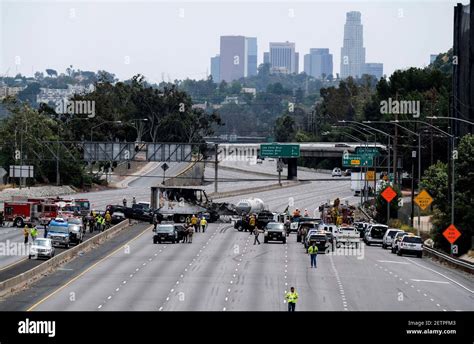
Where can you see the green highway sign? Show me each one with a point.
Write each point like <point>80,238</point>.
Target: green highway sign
<point>374,151</point>
<point>278,150</point>
<point>357,160</point>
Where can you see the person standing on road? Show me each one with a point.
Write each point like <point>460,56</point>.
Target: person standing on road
<point>26,233</point>
<point>194,222</point>
<point>102,222</point>
<point>313,253</point>
<point>155,221</point>
<point>252,223</point>
<point>291,298</point>
<point>124,202</point>
<point>34,233</point>
<point>203,224</point>
<point>108,219</point>
<point>2,218</point>
<point>134,201</point>
<point>190,234</point>
<point>256,232</point>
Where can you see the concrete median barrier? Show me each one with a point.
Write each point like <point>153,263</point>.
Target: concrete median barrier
<point>24,279</point>
<point>239,192</point>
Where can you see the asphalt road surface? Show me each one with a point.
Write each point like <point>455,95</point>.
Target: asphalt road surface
<point>223,271</point>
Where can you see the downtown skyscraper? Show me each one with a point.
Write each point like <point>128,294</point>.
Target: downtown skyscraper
<point>353,51</point>
<point>237,58</point>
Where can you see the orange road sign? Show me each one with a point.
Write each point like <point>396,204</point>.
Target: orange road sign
<point>389,194</point>
<point>451,234</point>
<point>423,199</point>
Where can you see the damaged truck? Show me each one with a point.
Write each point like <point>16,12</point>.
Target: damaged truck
<point>176,203</point>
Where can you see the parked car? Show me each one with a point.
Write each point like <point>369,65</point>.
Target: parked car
<point>410,244</point>
<point>336,172</point>
<point>374,234</point>
<point>165,232</point>
<point>117,217</point>
<point>41,248</point>
<point>396,240</point>
<point>275,231</point>
<point>304,228</point>
<point>347,172</point>
<point>388,237</point>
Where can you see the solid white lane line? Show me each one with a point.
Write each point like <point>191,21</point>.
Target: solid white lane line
<point>439,273</point>
<point>392,261</point>
<point>429,281</point>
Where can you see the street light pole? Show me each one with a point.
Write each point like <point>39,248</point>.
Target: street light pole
<point>452,155</point>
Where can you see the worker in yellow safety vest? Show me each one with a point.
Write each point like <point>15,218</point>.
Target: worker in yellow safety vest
<point>194,223</point>
<point>291,298</point>
<point>203,224</point>
<point>313,253</point>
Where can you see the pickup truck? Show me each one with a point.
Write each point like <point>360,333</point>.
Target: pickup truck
<point>137,212</point>
<point>347,236</point>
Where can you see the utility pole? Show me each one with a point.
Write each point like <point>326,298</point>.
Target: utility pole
<point>57,158</point>
<point>413,156</point>
<point>216,164</point>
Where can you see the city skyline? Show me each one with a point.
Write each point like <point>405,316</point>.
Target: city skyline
<point>389,34</point>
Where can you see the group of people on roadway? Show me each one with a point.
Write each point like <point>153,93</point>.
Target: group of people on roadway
<point>97,222</point>
<point>30,230</point>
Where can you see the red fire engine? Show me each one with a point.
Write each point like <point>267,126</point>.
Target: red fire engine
<point>36,211</point>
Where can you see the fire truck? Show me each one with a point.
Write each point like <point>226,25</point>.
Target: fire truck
<point>72,205</point>
<point>35,211</point>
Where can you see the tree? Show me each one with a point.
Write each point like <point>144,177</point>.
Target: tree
<point>435,180</point>
<point>51,72</point>
<point>285,129</point>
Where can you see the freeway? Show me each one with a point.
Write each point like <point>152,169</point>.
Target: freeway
<point>223,271</point>
<point>139,187</point>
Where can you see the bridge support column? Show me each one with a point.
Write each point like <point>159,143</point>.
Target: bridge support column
<point>292,168</point>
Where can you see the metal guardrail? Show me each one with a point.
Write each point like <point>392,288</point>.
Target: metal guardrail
<point>457,262</point>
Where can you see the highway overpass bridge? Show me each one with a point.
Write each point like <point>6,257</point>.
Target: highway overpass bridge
<point>315,150</point>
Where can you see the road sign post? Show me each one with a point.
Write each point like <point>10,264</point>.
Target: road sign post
<point>452,234</point>
<point>388,195</point>
<point>423,200</point>
<point>279,170</point>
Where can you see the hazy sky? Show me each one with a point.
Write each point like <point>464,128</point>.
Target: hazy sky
<point>175,39</point>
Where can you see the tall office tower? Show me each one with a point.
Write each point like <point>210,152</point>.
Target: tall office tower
<point>251,56</point>
<point>297,63</point>
<point>318,63</point>
<point>283,57</point>
<point>374,69</point>
<point>215,68</point>
<point>353,51</point>
<point>233,57</point>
